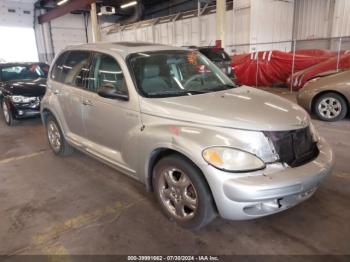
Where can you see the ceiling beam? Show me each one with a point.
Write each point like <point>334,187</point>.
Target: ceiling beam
<point>71,6</point>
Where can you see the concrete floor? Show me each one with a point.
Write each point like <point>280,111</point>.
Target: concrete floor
<point>76,205</point>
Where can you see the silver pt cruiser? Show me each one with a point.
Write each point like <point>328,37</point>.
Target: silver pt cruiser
<point>171,119</point>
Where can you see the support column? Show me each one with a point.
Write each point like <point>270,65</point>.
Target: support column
<point>44,41</point>
<point>96,35</point>
<point>199,22</point>
<point>221,21</point>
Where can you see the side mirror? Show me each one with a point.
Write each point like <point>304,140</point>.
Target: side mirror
<point>110,92</point>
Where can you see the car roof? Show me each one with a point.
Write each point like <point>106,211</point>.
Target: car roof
<point>123,48</point>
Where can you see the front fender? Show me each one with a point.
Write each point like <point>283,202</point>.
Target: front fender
<point>50,104</point>
<point>190,140</point>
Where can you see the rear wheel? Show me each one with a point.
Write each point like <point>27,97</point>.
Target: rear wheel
<point>58,143</point>
<point>9,120</point>
<point>182,192</point>
<point>330,107</point>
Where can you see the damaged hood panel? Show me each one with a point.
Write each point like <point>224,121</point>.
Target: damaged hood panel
<point>242,108</point>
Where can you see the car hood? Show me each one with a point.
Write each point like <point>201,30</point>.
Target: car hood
<point>242,108</point>
<point>36,87</point>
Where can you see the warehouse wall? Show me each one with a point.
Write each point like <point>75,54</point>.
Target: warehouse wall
<point>67,30</point>
<point>271,21</point>
<point>16,30</point>
<point>241,25</point>
<point>321,19</point>
<point>250,22</point>
<point>312,19</point>
<point>19,14</point>
<point>341,18</point>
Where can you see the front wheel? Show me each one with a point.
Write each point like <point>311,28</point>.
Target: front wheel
<point>9,119</point>
<point>58,143</point>
<point>330,107</point>
<point>183,193</point>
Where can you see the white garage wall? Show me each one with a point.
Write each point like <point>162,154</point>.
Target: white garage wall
<point>341,18</point>
<point>182,32</point>
<point>241,26</point>
<point>322,18</point>
<point>17,41</point>
<point>312,19</point>
<point>250,22</point>
<point>271,21</point>
<point>68,30</point>
<point>17,14</point>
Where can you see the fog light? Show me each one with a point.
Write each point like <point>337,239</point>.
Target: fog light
<point>264,208</point>
<point>20,112</point>
<point>271,204</point>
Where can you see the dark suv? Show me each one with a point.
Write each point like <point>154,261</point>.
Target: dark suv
<point>22,85</point>
<point>218,56</point>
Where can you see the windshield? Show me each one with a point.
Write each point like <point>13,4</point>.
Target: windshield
<point>21,72</point>
<point>176,73</point>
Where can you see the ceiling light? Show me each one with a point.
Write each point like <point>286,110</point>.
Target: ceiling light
<point>128,4</point>
<point>62,2</point>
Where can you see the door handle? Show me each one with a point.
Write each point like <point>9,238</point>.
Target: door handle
<point>87,102</point>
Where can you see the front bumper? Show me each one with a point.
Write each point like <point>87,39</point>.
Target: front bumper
<point>274,189</point>
<point>26,110</point>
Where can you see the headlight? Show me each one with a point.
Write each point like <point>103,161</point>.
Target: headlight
<point>314,132</point>
<point>231,159</point>
<point>23,99</point>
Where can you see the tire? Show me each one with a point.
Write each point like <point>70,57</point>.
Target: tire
<point>178,183</point>
<point>330,107</point>
<point>56,139</point>
<point>7,114</point>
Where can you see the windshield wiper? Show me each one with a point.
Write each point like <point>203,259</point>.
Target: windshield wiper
<point>177,92</point>
<point>189,91</point>
<point>222,87</point>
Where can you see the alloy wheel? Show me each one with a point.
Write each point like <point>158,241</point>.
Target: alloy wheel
<point>329,107</point>
<point>54,136</point>
<point>178,194</point>
<point>6,112</point>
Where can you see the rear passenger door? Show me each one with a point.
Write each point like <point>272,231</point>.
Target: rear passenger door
<point>70,75</point>
<point>110,124</point>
